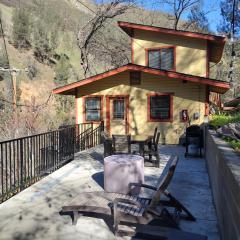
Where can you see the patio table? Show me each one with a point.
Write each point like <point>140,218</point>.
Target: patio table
<point>122,169</point>
<point>141,140</point>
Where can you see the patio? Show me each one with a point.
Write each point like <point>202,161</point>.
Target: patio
<point>34,213</point>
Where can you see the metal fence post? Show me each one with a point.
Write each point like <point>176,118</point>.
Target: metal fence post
<point>21,165</point>
<point>91,144</point>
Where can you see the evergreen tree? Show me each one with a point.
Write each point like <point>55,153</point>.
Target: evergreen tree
<point>227,15</point>
<point>21,27</point>
<point>62,70</point>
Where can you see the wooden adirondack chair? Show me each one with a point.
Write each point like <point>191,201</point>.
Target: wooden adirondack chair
<point>132,210</point>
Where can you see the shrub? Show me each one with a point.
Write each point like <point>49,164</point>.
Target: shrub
<point>21,27</point>
<point>32,69</point>
<point>220,120</point>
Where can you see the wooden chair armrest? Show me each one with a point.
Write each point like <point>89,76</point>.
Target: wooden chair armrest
<point>142,185</point>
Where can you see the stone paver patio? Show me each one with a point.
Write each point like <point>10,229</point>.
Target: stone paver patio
<point>34,213</point>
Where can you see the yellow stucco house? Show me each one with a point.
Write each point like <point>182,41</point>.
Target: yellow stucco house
<point>166,85</point>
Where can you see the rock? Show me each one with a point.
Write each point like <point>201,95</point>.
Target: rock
<point>231,130</point>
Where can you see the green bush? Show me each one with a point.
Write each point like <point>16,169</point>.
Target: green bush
<point>220,120</point>
<point>235,144</point>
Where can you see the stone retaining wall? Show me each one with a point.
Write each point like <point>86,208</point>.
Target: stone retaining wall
<point>224,172</point>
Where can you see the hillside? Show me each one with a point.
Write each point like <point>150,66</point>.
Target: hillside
<point>62,65</point>
<point>67,44</point>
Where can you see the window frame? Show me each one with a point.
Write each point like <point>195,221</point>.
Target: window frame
<point>149,95</point>
<point>124,113</point>
<point>159,49</point>
<point>84,108</point>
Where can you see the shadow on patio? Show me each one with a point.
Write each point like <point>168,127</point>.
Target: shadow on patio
<point>34,212</point>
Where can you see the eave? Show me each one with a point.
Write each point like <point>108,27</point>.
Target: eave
<point>215,43</point>
<point>214,85</point>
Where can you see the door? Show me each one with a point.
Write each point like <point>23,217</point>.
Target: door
<point>117,114</point>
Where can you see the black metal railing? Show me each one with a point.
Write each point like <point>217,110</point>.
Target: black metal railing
<point>24,161</point>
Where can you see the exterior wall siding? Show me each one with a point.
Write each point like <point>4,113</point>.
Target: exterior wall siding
<point>188,96</point>
<point>191,56</point>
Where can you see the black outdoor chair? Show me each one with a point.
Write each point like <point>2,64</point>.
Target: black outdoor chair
<point>107,144</point>
<point>194,135</point>
<point>121,144</point>
<point>153,151</point>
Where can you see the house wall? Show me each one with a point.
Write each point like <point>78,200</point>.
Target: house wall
<point>191,55</point>
<point>186,96</point>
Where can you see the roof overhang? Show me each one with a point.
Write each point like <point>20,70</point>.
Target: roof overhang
<point>215,43</point>
<point>214,85</point>
<point>233,103</point>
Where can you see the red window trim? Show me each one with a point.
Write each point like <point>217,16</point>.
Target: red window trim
<point>207,60</point>
<point>171,107</point>
<point>159,48</point>
<point>84,109</point>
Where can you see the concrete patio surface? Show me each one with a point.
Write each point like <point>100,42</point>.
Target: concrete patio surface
<point>34,213</point>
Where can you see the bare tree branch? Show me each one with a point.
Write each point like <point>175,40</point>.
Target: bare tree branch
<point>86,34</point>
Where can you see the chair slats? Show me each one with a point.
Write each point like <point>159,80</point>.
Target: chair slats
<point>121,144</point>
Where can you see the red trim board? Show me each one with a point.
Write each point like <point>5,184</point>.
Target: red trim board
<point>133,67</point>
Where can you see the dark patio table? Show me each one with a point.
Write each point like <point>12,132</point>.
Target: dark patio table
<point>141,140</point>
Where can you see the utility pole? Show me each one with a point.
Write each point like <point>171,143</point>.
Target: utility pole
<point>14,72</point>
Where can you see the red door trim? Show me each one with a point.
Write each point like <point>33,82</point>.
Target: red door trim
<point>108,98</point>
<point>207,101</point>
<point>76,106</point>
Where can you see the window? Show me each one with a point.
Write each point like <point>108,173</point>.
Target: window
<point>93,108</point>
<point>161,58</point>
<point>118,108</point>
<point>160,107</point>
<point>135,78</point>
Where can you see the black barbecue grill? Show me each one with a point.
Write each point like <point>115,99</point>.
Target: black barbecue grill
<point>194,136</point>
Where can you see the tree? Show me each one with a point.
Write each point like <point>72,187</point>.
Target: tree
<point>45,42</point>
<point>197,20</point>
<point>62,70</point>
<point>178,8</point>
<point>227,17</point>
<point>230,26</point>
<point>86,34</point>
<point>21,27</point>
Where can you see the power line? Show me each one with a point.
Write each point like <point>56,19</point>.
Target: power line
<point>86,6</point>
<point>15,71</point>
<point>112,25</point>
<point>28,106</point>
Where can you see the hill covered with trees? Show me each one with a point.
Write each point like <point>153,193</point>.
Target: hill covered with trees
<point>61,41</point>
